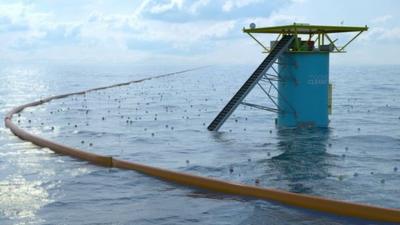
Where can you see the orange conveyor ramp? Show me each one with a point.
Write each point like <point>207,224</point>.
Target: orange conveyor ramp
<point>337,207</point>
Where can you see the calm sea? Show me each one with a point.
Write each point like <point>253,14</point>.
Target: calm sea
<point>162,122</point>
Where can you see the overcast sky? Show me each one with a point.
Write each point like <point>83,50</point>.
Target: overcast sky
<point>183,31</point>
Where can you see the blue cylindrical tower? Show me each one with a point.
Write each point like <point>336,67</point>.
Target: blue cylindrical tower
<point>303,89</point>
<point>303,95</point>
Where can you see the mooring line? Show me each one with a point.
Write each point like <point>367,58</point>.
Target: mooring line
<point>337,207</point>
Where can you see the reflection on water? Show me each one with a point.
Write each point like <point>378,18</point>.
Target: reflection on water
<point>23,182</point>
<point>304,156</point>
<point>20,199</point>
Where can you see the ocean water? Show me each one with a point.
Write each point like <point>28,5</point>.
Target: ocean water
<point>162,122</point>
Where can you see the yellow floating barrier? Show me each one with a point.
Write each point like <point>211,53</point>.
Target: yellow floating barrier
<point>337,207</point>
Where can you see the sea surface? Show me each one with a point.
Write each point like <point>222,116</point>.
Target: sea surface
<point>162,122</point>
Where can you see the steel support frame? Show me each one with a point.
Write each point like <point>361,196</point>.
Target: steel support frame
<point>267,78</point>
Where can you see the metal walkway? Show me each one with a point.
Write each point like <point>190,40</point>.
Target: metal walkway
<point>237,99</point>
